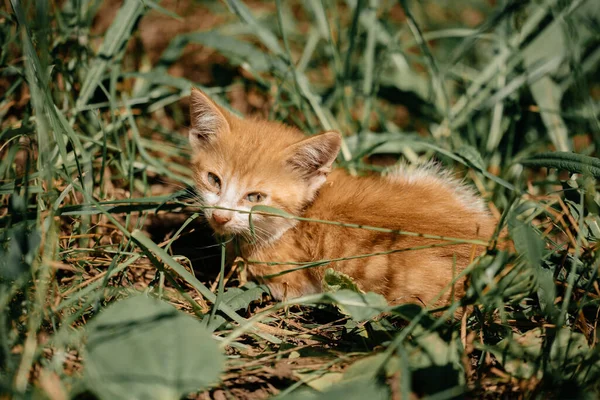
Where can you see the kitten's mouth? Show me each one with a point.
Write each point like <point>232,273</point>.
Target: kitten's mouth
<point>220,229</point>
<point>225,230</point>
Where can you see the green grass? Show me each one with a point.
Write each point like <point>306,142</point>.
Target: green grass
<point>96,210</point>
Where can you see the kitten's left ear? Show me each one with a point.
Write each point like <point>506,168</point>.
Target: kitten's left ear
<point>207,118</point>
<point>315,155</point>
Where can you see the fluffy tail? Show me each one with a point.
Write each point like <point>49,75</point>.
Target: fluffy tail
<point>432,173</point>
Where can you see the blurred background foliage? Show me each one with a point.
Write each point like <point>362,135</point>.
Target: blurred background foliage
<point>95,195</point>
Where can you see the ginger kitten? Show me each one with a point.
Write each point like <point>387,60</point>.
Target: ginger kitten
<point>238,164</point>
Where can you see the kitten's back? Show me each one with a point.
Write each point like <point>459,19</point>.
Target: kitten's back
<point>434,204</point>
<point>428,202</point>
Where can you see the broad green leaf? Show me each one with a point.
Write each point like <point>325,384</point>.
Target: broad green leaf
<point>546,291</point>
<point>368,367</point>
<point>410,311</point>
<point>359,381</point>
<point>527,242</point>
<point>570,356</point>
<point>21,252</point>
<point>433,350</point>
<point>531,246</point>
<point>148,245</point>
<point>358,389</point>
<point>359,306</point>
<point>520,354</point>
<point>322,383</point>
<point>237,299</point>
<point>335,280</point>
<point>435,363</point>
<point>142,348</point>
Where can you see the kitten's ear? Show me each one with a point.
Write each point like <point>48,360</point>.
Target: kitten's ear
<point>207,118</point>
<point>315,155</point>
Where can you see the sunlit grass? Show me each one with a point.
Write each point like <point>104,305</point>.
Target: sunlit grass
<point>97,204</point>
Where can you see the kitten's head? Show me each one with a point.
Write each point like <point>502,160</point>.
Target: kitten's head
<point>238,164</point>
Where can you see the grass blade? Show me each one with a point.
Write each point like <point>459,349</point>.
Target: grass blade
<point>115,39</point>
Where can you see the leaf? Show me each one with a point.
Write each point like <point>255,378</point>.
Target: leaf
<point>519,354</point>
<point>323,382</point>
<point>471,156</point>
<point>399,73</point>
<point>530,245</point>
<point>435,350</point>
<point>359,306</point>
<point>21,253</point>
<point>546,290</point>
<point>563,160</point>
<point>435,364</point>
<point>568,347</point>
<point>408,311</point>
<point>142,348</point>
<point>158,76</point>
<point>359,381</point>
<point>147,245</point>
<point>237,299</point>
<point>527,241</point>
<point>334,281</point>
<point>499,276</point>
<point>570,356</point>
<point>356,389</point>
<point>367,367</point>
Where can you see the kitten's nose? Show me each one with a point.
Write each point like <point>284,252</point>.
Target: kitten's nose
<point>221,217</point>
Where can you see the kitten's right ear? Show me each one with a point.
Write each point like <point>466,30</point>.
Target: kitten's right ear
<point>207,118</point>
<point>314,156</point>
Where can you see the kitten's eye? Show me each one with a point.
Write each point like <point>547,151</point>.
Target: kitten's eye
<point>256,197</point>
<point>214,180</point>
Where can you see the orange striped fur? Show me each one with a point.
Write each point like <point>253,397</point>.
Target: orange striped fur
<point>240,163</point>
